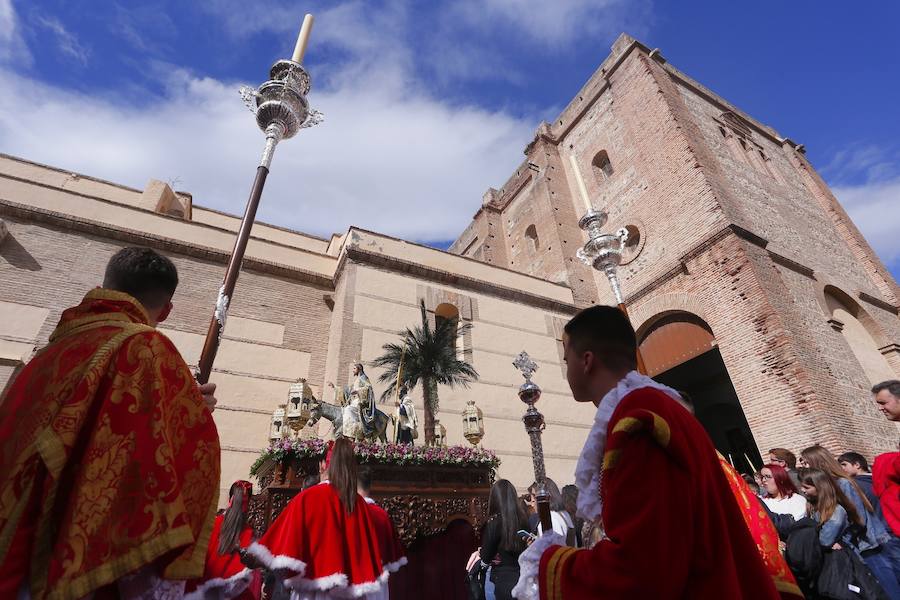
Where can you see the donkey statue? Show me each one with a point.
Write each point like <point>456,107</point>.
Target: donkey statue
<point>334,413</point>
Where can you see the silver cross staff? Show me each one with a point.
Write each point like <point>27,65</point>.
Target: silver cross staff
<point>529,393</point>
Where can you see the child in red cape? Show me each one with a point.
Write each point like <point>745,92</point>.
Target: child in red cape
<point>324,544</point>
<point>224,574</point>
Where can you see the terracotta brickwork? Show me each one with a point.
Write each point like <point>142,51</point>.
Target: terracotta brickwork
<point>735,227</point>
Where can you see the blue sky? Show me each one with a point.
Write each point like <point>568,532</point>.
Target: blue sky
<point>426,104</point>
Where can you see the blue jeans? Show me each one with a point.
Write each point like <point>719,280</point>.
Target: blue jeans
<point>885,565</point>
<point>489,586</point>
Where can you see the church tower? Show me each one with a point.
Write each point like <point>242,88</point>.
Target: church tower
<point>748,284</point>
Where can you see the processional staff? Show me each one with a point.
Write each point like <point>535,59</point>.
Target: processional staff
<point>603,251</point>
<point>281,110</point>
<point>529,393</point>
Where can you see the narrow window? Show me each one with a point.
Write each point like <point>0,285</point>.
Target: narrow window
<point>532,239</point>
<point>603,168</point>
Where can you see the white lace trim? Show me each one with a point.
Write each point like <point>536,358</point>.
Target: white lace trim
<point>590,463</point>
<point>231,587</point>
<point>530,566</point>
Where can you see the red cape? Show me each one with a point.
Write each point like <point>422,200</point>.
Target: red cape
<point>672,524</point>
<point>322,546</point>
<point>393,555</point>
<point>226,572</point>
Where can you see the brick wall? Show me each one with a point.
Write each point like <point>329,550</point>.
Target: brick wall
<point>736,227</point>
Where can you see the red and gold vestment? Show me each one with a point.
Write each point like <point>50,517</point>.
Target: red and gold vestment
<point>109,458</point>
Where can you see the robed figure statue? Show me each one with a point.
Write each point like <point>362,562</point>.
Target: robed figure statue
<point>358,401</point>
<point>407,423</point>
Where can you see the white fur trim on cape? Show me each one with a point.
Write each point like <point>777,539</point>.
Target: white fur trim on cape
<point>395,566</point>
<point>590,463</point>
<point>336,585</point>
<point>530,565</point>
<point>273,563</point>
<point>228,588</point>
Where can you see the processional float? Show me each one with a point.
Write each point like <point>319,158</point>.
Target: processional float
<point>281,111</point>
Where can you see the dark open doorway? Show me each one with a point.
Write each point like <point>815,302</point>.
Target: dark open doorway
<point>680,350</point>
<point>716,406</point>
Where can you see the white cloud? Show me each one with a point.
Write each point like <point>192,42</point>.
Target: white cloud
<point>875,208</point>
<point>391,156</point>
<point>386,158</point>
<point>12,46</point>
<point>66,41</point>
<point>557,23</point>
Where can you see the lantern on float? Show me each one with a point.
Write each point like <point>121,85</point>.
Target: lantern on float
<point>473,423</point>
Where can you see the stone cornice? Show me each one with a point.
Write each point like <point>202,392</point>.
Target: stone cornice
<point>679,268</point>
<point>395,263</point>
<point>103,230</point>
<point>879,303</point>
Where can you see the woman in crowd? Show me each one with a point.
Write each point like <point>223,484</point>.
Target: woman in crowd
<point>562,522</point>
<point>323,545</point>
<point>782,497</point>
<point>224,576</point>
<point>870,543</point>
<point>501,543</point>
<point>836,517</point>
<point>829,507</point>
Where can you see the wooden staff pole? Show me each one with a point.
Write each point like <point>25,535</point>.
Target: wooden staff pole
<point>217,323</point>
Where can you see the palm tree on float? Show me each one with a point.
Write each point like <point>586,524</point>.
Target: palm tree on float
<point>427,355</point>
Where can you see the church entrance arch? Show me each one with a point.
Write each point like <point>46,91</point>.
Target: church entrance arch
<point>680,350</point>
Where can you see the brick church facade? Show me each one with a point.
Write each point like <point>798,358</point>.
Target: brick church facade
<point>748,284</point>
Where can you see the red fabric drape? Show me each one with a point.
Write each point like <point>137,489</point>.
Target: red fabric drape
<point>437,566</point>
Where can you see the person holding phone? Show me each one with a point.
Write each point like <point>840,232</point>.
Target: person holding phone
<point>503,540</point>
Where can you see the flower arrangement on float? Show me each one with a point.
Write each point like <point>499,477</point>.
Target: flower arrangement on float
<point>287,450</point>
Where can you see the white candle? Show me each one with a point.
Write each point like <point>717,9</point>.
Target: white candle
<point>580,181</point>
<point>302,39</point>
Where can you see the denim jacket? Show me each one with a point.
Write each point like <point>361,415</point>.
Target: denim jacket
<point>876,533</point>
<point>831,530</point>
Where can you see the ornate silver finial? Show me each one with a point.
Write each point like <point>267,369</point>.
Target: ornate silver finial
<point>529,392</point>
<point>603,251</point>
<point>525,365</point>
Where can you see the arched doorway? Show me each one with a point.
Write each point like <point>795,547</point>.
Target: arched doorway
<point>680,350</point>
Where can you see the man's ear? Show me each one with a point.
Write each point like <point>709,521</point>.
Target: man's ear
<point>164,313</point>
<point>587,360</point>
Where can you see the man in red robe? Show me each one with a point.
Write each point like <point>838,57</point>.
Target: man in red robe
<point>109,457</point>
<point>651,477</point>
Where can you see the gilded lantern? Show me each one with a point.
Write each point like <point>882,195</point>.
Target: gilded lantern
<point>473,423</point>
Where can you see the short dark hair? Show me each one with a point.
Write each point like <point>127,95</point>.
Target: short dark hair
<point>142,273</point>
<point>854,458</point>
<point>891,385</point>
<point>364,478</point>
<point>605,331</point>
<point>786,455</point>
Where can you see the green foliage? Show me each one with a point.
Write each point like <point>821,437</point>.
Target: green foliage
<point>430,358</point>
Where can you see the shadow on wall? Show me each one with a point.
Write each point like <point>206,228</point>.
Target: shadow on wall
<point>15,254</point>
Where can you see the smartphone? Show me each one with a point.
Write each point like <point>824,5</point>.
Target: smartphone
<point>526,536</point>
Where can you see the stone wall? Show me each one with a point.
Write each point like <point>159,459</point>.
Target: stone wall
<point>276,332</point>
